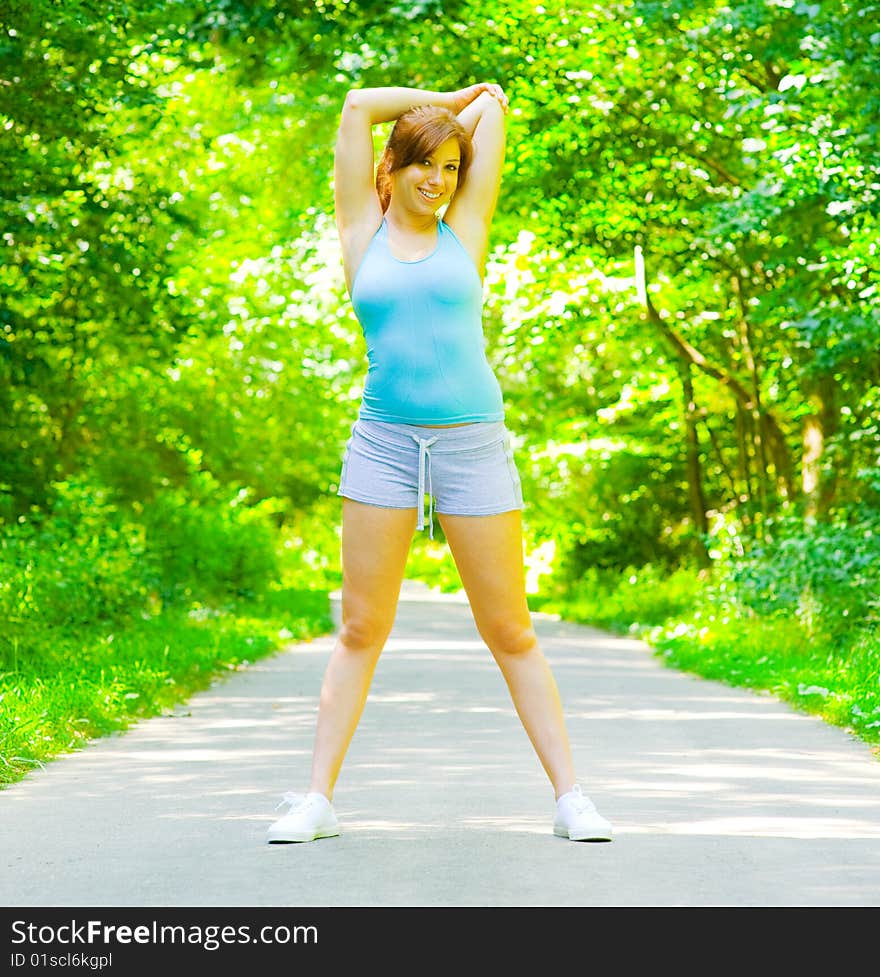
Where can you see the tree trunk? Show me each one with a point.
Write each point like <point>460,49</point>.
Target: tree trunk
<point>694,467</point>
<point>744,457</point>
<point>693,464</point>
<point>758,419</point>
<point>819,481</point>
<point>756,408</point>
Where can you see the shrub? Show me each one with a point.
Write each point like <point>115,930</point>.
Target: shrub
<point>87,560</point>
<point>83,560</point>
<point>637,598</point>
<point>826,574</point>
<point>205,546</point>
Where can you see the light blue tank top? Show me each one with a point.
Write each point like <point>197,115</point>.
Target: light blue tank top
<point>422,321</point>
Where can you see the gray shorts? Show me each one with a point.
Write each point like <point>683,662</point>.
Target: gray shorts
<point>469,470</point>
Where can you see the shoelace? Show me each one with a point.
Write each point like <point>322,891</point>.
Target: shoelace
<point>580,802</point>
<point>294,800</point>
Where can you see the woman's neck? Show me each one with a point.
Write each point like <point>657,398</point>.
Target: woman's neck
<point>409,223</point>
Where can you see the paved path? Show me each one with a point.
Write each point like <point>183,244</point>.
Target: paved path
<point>720,797</point>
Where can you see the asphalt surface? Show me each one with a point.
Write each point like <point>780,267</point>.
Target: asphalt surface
<point>719,797</point>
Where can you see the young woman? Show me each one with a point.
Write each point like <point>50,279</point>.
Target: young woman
<point>431,423</point>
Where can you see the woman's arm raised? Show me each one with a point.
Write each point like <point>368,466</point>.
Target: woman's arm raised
<point>358,212</point>
<point>470,212</point>
<point>363,108</point>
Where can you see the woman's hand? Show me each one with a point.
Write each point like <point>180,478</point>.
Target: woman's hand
<point>464,96</point>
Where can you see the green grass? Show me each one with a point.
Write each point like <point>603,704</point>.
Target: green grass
<point>66,686</point>
<point>694,625</point>
<point>63,685</point>
<point>815,673</point>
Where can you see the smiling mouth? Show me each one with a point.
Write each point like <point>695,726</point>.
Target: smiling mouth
<point>428,194</point>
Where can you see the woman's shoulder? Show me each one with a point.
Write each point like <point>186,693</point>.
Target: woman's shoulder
<point>471,239</point>
<point>445,228</point>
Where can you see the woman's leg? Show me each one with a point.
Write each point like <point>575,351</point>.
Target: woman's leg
<point>488,553</point>
<point>375,547</point>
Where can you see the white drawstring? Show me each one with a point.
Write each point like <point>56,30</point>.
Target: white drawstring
<point>425,462</point>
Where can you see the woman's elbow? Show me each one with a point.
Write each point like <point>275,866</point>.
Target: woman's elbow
<point>493,106</point>
<point>353,99</point>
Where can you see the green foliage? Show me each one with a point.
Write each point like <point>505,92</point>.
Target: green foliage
<point>173,283</point>
<point>634,600</point>
<point>777,655</point>
<point>207,547</point>
<point>83,561</point>
<point>431,562</point>
<point>87,561</point>
<point>74,681</point>
<point>708,623</point>
<point>827,575</point>
<point>310,546</point>
<point>681,298</point>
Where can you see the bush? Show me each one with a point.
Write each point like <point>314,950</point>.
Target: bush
<point>83,560</point>
<point>87,560</point>
<point>635,599</point>
<point>826,574</point>
<point>205,546</point>
<point>311,545</point>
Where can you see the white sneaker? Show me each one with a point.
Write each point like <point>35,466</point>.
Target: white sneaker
<point>578,820</point>
<point>309,817</point>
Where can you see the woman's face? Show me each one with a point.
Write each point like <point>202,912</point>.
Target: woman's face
<point>428,184</point>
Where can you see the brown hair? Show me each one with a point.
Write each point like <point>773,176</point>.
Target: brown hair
<point>416,134</point>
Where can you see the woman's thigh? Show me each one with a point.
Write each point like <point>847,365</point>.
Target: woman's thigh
<point>488,552</point>
<point>375,548</point>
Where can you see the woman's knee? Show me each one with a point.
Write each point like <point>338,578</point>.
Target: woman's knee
<point>364,633</point>
<point>506,637</point>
